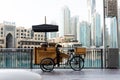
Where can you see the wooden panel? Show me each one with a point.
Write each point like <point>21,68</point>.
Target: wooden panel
<point>41,53</point>
<point>80,51</point>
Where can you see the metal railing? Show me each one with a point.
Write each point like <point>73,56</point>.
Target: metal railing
<point>24,58</point>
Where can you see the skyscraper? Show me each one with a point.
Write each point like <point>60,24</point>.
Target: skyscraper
<point>96,38</point>
<point>85,34</point>
<point>66,20</point>
<point>113,33</point>
<point>74,22</point>
<point>91,19</point>
<point>91,9</point>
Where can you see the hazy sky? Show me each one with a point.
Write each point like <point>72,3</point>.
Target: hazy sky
<point>31,12</point>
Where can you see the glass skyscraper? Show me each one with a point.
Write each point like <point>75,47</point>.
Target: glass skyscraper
<point>91,9</point>
<point>85,34</point>
<point>74,22</point>
<point>91,19</point>
<point>113,33</point>
<point>66,20</point>
<point>98,36</point>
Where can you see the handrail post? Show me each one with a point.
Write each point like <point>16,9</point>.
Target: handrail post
<point>31,58</point>
<point>101,58</point>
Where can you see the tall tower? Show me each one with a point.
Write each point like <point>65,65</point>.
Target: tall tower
<point>91,9</point>
<point>74,24</point>
<point>113,32</point>
<point>91,19</point>
<point>66,20</point>
<point>98,36</point>
<point>96,31</point>
<point>85,34</point>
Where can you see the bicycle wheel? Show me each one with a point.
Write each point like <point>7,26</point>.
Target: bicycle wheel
<point>76,63</point>
<point>47,64</point>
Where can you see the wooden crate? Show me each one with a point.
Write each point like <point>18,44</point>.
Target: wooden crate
<point>41,53</point>
<point>80,51</point>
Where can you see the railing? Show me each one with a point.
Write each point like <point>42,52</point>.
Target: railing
<point>94,58</point>
<point>15,58</point>
<point>23,58</point>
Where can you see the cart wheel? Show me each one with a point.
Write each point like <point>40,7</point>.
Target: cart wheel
<point>47,64</point>
<point>77,63</point>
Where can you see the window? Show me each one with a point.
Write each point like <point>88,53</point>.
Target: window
<point>1,42</point>
<point>17,30</point>
<point>21,33</point>
<point>21,30</point>
<point>25,30</point>
<point>1,28</point>
<point>18,42</point>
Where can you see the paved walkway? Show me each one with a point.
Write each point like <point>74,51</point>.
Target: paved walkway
<point>85,74</point>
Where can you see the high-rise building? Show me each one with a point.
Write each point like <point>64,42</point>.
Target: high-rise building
<point>66,20</point>
<point>91,19</point>
<point>85,34</point>
<point>111,10</point>
<point>96,37</point>
<point>91,9</point>
<point>113,33</point>
<point>74,22</point>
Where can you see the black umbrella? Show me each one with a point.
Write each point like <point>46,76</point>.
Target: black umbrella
<point>45,28</point>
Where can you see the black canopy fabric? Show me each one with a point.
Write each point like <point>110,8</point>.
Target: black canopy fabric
<point>45,28</point>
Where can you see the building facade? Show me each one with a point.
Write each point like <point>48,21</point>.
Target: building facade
<point>91,4</point>
<point>66,20</point>
<point>113,33</point>
<point>85,34</point>
<point>98,30</point>
<point>74,22</point>
<point>19,37</point>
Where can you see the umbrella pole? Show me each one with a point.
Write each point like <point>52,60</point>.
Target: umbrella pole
<point>45,36</point>
<point>45,32</point>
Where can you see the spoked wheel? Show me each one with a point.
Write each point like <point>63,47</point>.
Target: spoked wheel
<point>77,63</point>
<point>47,64</point>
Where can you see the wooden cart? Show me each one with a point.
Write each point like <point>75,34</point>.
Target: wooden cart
<point>48,57</point>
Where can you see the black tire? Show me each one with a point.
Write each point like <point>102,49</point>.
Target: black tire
<point>77,63</point>
<point>47,64</point>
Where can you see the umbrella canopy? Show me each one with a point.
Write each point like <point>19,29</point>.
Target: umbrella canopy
<point>45,28</point>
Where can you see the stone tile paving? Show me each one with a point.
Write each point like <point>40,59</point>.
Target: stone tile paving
<point>85,74</point>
